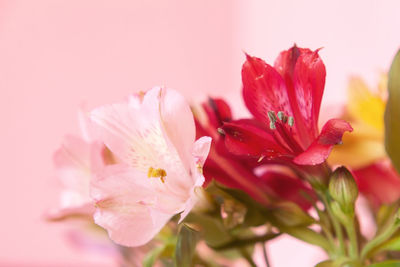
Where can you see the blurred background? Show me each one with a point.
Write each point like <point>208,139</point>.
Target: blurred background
<point>56,55</point>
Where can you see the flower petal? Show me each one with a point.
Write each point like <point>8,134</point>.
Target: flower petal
<point>245,137</point>
<point>178,123</point>
<point>319,150</point>
<point>365,106</point>
<point>286,62</point>
<point>201,148</point>
<point>131,229</point>
<point>217,111</point>
<point>73,167</point>
<point>125,201</point>
<point>263,89</point>
<point>84,211</point>
<point>309,82</point>
<point>289,189</point>
<point>379,182</point>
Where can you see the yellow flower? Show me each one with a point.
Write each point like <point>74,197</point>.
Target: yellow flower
<point>365,112</point>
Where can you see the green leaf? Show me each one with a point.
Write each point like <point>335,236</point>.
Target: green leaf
<point>392,114</point>
<point>390,263</point>
<point>211,228</point>
<point>185,246</point>
<point>393,244</point>
<point>152,256</point>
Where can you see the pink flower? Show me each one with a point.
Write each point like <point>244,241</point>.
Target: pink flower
<point>160,165</point>
<point>285,102</point>
<point>76,161</point>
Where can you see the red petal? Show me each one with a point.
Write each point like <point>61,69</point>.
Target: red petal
<point>320,149</point>
<point>232,171</point>
<point>263,89</point>
<point>309,81</point>
<point>290,189</point>
<point>286,62</point>
<point>245,137</point>
<point>217,111</point>
<point>379,182</point>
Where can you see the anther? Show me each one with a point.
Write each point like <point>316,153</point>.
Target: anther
<point>157,173</point>
<point>291,121</point>
<point>282,117</point>
<point>221,131</point>
<point>271,116</point>
<point>272,120</point>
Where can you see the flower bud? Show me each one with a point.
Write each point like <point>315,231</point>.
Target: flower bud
<point>343,188</point>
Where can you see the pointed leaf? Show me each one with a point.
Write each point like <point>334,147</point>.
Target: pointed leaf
<point>185,247</point>
<point>392,114</point>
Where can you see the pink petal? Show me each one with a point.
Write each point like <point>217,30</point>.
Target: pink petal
<point>245,137</point>
<point>201,148</point>
<point>124,202</point>
<point>74,153</point>
<point>133,135</point>
<point>85,124</point>
<point>178,123</point>
<point>134,228</point>
<point>263,89</point>
<point>84,211</point>
<point>319,150</point>
<point>73,167</point>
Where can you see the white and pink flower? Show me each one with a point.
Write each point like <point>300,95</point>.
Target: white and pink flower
<point>152,137</point>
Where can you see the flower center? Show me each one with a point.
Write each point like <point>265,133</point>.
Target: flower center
<point>281,124</point>
<point>157,173</point>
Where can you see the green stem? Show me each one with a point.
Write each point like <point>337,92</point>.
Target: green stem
<point>336,225</point>
<point>379,239</point>
<point>324,228</point>
<point>238,243</point>
<point>353,248</point>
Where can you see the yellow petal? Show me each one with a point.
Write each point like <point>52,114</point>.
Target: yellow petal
<point>365,106</point>
<point>360,148</point>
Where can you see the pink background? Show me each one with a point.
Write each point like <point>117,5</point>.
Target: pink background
<point>55,55</point>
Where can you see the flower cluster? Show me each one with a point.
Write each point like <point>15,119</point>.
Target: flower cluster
<point>174,184</point>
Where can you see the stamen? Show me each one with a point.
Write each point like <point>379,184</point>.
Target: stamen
<point>291,121</point>
<point>272,120</point>
<point>282,117</point>
<point>157,173</point>
<point>221,131</point>
<point>271,116</point>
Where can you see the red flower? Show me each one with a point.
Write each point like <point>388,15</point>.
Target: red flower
<point>379,182</point>
<point>240,172</point>
<point>285,102</point>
